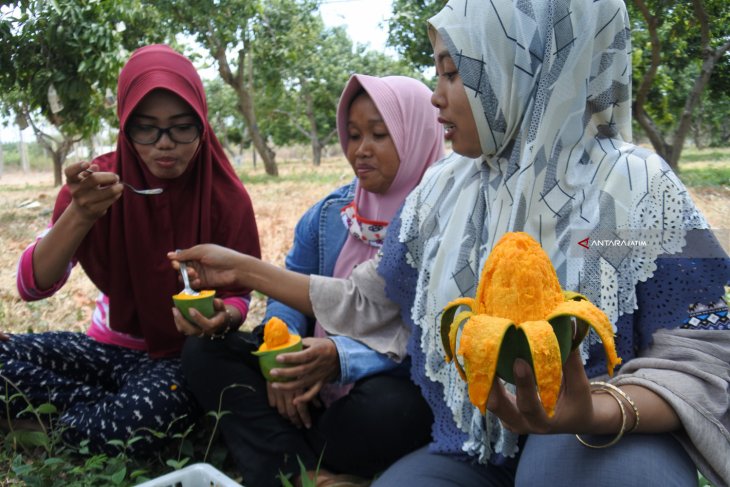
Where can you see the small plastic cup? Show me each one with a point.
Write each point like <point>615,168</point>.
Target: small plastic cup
<point>203,302</point>
<point>267,360</point>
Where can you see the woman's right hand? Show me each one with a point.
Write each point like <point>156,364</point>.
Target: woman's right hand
<point>209,265</point>
<point>92,192</point>
<point>283,401</point>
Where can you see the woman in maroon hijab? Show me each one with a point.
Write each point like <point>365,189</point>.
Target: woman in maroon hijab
<point>123,378</point>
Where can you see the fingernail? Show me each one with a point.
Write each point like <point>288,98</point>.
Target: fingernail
<point>520,369</point>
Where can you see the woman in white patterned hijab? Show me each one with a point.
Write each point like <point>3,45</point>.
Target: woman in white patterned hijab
<point>535,97</point>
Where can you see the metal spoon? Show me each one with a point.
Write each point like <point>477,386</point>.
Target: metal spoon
<point>138,191</point>
<point>143,191</point>
<point>186,281</point>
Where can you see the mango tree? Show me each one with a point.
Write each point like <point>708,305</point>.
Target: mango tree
<point>225,30</point>
<point>677,48</point>
<point>60,61</point>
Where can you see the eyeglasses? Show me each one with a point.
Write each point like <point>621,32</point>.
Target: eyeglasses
<point>150,134</point>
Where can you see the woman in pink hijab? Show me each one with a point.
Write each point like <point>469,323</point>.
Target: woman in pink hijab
<point>352,406</point>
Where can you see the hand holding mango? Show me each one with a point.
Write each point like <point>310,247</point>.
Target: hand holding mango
<point>520,311</point>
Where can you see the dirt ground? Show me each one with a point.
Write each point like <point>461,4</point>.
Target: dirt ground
<point>26,202</point>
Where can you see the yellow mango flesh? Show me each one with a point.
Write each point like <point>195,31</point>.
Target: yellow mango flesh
<point>276,335</point>
<point>518,281</point>
<point>201,295</point>
<point>293,340</point>
<point>479,345</point>
<point>518,288</point>
<point>548,366</point>
<point>597,319</point>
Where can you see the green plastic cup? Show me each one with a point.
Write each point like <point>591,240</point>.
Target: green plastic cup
<point>267,360</point>
<point>203,302</point>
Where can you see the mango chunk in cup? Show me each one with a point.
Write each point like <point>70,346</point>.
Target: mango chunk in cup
<point>203,302</point>
<point>277,340</point>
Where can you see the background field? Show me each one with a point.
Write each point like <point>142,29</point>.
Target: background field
<point>26,202</point>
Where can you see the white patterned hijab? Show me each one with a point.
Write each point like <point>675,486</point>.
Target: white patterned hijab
<point>549,82</point>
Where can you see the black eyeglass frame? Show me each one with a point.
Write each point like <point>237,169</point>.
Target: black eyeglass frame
<point>161,131</point>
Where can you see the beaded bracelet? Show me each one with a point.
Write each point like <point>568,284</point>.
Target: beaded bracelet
<point>229,326</point>
<point>623,420</point>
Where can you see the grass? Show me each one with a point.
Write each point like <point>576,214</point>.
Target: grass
<point>278,204</point>
<point>311,175</point>
<point>706,168</point>
<point>691,155</point>
<point>38,457</point>
<point>705,176</point>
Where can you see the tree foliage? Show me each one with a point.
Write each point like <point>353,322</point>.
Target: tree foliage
<point>286,68</point>
<point>677,47</point>
<point>72,48</point>
<point>223,115</point>
<point>681,66</point>
<point>298,78</point>
<point>303,91</point>
<point>226,30</point>
<point>408,30</point>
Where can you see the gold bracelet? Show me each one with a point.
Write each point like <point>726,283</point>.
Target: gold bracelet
<point>623,423</point>
<point>606,385</point>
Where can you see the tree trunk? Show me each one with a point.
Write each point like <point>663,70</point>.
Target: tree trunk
<point>672,152</point>
<point>91,145</point>
<point>313,130</point>
<point>661,146</point>
<point>698,131</point>
<point>711,57</point>
<point>316,151</point>
<point>244,93</point>
<point>59,155</point>
<point>57,168</point>
<point>23,151</point>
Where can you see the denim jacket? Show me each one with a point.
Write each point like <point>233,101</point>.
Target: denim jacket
<point>318,239</point>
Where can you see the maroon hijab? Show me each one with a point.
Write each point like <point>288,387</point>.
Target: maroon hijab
<point>124,253</point>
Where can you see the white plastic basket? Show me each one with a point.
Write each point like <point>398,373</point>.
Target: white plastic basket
<point>196,475</point>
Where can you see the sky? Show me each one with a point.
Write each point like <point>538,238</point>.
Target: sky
<point>364,20</point>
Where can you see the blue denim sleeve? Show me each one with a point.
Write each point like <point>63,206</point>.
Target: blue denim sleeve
<point>303,257</point>
<point>358,360</point>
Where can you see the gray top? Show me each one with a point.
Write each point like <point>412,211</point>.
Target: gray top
<point>690,369</point>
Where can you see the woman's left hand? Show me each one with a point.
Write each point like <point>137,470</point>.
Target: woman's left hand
<point>310,369</point>
<point>523,412</point>
<point>202,326</point>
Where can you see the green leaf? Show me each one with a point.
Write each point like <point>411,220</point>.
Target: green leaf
<point>118,476</point>
<point>28,439</point>
<point>46,408</point>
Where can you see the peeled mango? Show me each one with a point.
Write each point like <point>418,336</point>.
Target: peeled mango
<point>520,311</point>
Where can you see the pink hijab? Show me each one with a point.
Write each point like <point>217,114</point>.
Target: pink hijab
<point>405,105</point>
